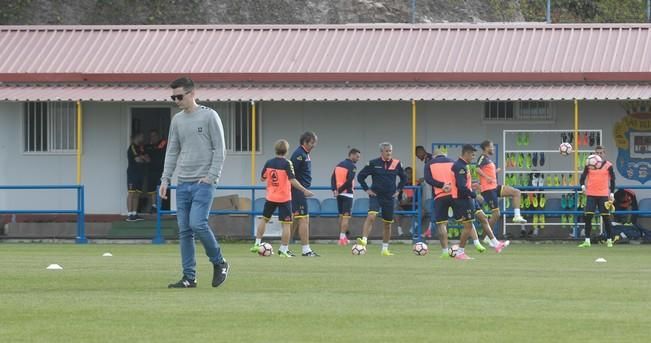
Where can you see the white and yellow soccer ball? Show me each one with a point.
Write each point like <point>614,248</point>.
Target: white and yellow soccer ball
<point>594,161</point>
<point>420,249</point>
<point>358,249</point>
<point>453,250</point>
<point>265,249</point>
<point>565,149</point>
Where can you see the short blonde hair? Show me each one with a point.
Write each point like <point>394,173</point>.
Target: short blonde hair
<point>281,146</point>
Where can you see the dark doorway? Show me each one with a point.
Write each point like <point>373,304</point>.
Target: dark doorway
<point>144,120</point>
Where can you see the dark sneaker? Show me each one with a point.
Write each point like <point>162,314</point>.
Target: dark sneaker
<point>290,253</point>
<point>310,254</point>
<point>183,283</point>
<point>138,218</point>
<point>131,219</point>
<point>220,273</point>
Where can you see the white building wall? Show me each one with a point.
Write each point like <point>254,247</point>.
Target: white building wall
<point>339,126</point>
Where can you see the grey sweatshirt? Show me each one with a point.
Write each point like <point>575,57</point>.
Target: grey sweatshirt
<point>195,147</point>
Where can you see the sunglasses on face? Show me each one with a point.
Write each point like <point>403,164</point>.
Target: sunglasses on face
<point>179,97</point>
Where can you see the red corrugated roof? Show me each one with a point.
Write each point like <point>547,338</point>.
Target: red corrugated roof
<point>338,92</point>
<point>438,52</point>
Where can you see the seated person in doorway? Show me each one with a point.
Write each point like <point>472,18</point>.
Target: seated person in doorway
<point>156,152</point>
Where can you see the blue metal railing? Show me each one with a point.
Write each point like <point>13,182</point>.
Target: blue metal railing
<point>80,211</point>
<point>253,212</point>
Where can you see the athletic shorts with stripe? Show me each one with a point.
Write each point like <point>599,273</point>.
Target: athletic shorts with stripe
<point>383,205</point>
<point>491,197</point>
<point>593,203</point>
<point>284,211</point>
<point>344,205</point>
<point>299,204</point>
<point>464,209</point>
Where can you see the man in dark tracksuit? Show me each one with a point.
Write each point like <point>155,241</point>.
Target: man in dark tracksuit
<point>303,171</point>
<point>382,193</point>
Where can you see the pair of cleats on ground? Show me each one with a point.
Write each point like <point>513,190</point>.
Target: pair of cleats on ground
<point>586,244</point>
<point>480,248</point>
<point>220,273</point>
<point>256,247</point>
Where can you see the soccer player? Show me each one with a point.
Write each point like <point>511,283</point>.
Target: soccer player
<point>278,172</point>
<point>491,190</point>
<point>382,193</point>
<point>137,160</point>
<point>598,183</point>
<point>438,174</point>
<point>464,200</point>
<point>342,183</point>
<point>303,171</point>
<point>197,137</point>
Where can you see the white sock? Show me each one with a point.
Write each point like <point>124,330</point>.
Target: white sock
<point>516,212</point>
<point>587,240</point>
<point>385,246</point>
<point>342,235</point>
<point>258,241</point>
<point>306,249</point>
<point>283,248</point>
<point>495,241</point>
<point>476,242</point>
<point>444,251</point>
<point>460,250</point>
<point>364,238</point>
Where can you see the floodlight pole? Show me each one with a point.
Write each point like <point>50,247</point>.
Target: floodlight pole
<point>413,11</point>
<point>648,11</point>
<point>549,12</point>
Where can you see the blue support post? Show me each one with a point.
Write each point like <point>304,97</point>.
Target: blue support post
<point>158,237</point>
<point>81,217</point>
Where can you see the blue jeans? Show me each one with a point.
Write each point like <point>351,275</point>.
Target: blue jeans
<point>193,203</point>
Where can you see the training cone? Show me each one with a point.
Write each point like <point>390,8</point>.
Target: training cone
<point>600,260</point>
<point>54,267</point>
<point>107,254</point>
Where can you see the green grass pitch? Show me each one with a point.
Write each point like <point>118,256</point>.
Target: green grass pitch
<point>529,293</point>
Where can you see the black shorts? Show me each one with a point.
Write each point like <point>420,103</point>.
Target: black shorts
<point>152,183</point>
<point>593,203</point>
<point>382,204</point>
<point>491,197</point>
<point>464,209</point>
<point>135,182</point>
<point>442,208</point>
<point>284,211</point>
<point>344,205</point>
<point>299,204</point>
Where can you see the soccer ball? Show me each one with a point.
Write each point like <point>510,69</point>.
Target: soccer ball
<point>453,250</point>
<point>358,249</point>
<point>594,161</point>
<point>265,249</point>
<point>565,149</point>
<point>420,249</point>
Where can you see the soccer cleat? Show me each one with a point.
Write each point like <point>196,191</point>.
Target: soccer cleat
<point>584,245</point>
<point>428,233</point>
<point>138,218</point>
<point>463,256</point>
<point>535,201</point>
<point>534,159</point>
<point>542,159</point>
<point>386,252</point>
<point>507,202</point>
<point>310,254</point>
<point>220,273</point>
<point>541,221</point>
<point>609,243</point>
<point>285,254</point>
<point>519,220</point>
<point>557,180</point>
<point>343,241</point>
<point>183,283</point>
<point>255,248</point>
<point>542,201</point>
<point>480,248</point>
<point>500,246</point>
<point>535,221</point>
<point>445,256</point>
<point>131,218</point>
<point>362,241</point>
<point>488,242</point>
<point>564,201</point>
<point>527,161</point>
<point>518,139</point>
<point>520,160</point>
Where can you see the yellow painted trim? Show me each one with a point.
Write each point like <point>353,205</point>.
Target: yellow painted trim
<point>79,142</point>
<point>413,142</point>
<point>576,139</point>
<point>253,142</point>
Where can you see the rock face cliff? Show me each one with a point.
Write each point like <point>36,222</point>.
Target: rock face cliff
<point>34,12</point>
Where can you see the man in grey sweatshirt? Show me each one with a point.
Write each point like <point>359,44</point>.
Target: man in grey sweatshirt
<point>196,151</point>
